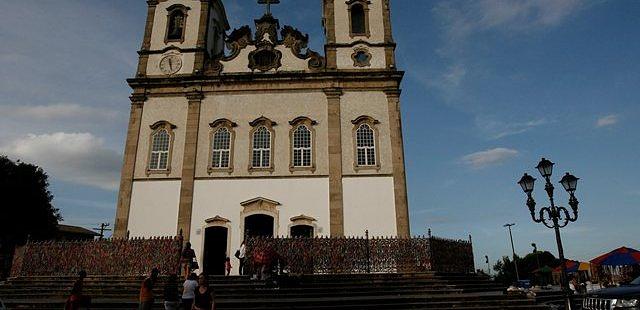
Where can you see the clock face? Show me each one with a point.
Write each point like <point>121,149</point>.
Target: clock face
<point>170,64</point>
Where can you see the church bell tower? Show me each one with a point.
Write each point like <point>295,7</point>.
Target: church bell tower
<point>358,35</point>
<point>180,35</point>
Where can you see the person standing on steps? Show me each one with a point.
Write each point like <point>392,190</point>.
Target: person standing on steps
<point>227,266</point>
<point>146,290</point>
<point>171,293</point>
<point>77,300</point>
<point>189,291</point>
<point>240,255</point>
<point>187,258</point>
<point>204,295</point>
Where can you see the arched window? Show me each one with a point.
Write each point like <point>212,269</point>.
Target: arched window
<point>302,136</point>
<point>160,150</point>
<point>221,152</point>
<point>160,144</point>
<point>261,157</point>
<point>176,23</point>
<point>357,20</point>
<point>302,147</point>
<point>359,17</point>
<point>365,145</point>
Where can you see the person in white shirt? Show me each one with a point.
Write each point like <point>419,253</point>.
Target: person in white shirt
<point>189,291</point>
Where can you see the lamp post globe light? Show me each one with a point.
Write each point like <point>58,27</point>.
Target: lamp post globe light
<point>554,217</point>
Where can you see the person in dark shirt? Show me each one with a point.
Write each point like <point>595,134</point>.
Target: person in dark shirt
<point>171,300</point>
<point>204,295</point>
<point>78,300</point>
<point>187,259</point>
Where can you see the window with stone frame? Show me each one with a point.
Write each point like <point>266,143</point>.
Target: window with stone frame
<point>221,149</point>
<point>358,17</point>
<point>261,150</point>
<point>365,146</point>
<point>302,147</point>
<point>160,145</point>
<point>176,23</point>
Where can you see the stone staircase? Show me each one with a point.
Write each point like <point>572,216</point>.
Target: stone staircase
<point>362,291</point>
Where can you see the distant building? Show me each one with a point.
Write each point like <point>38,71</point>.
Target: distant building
<point>68,232</point>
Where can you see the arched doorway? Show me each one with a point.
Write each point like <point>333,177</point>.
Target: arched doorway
<point>215,250</point>
<point>301,231</point>
<point>258,225</point>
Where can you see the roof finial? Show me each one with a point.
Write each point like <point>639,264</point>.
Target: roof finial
<point>268,3</point>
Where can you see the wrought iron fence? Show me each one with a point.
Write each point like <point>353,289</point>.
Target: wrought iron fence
<point>125,257</point>
<point>324,255</point>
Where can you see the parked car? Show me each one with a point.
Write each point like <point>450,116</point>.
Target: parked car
<point>622,297</point>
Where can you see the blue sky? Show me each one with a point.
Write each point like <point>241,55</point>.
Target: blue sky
<point>490,87</point>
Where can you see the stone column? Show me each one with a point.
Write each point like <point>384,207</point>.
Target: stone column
<point>128,165</point>
<point>397,153</point>
<point>336,212</point>
<point>189,164</point>
<point>146,42</point>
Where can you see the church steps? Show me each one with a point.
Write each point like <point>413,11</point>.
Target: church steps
<point>354,292</point>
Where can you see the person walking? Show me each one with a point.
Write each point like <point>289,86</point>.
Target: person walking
<point>189,291</point>
<point>240,255</point>
<point>171,293</point>
<point>77,300</point>
<point>204,299</point>
<point>146,290</point>
<point>187,258</point>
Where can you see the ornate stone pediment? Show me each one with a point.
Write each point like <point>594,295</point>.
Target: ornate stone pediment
<point>267,47</point>
<point>260,204</point>
<point>219,220</point>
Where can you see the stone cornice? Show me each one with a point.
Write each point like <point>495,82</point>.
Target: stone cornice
<point>333,93</point>
<point>358,42</point>
<point>195,96</point>
<point>138,98</point>
<point>393,92</point>
<point>246,81</point>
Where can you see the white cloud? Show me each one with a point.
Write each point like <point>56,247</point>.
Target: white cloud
<point>608,120</point>
<point>489,157</point>
<point>56,112</point>
<point>510,15</point>
<point>496,129</point>
<point>80,158</point>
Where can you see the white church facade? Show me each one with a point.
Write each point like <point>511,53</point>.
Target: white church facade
<point>244,132</point>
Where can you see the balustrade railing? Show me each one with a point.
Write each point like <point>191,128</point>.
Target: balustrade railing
<point>126,257</point>
<point>324,255</point>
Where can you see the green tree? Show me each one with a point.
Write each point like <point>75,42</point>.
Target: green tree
<point>506,271</point>
<point>26,210</point>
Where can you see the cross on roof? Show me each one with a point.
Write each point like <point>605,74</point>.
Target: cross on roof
<point>268,3</point>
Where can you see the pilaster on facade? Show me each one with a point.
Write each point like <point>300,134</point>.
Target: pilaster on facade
<point>143,60</point>
<point>189,163</point>
<point>397,153</point>
<point>128,166</point>
<point>200,55</point>
<point>336,199</point>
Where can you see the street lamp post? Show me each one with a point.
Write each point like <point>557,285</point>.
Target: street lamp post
<point>513,250</point>
<point>554,217</point>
